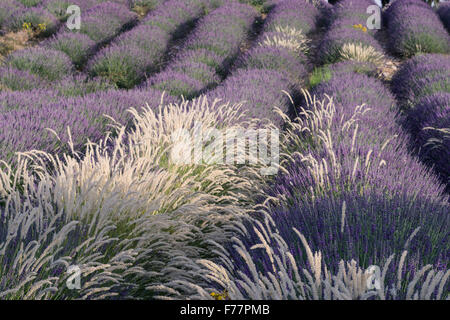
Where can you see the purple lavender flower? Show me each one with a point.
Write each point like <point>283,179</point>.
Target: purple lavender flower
<point>102,22</point>
<point>25,117</point>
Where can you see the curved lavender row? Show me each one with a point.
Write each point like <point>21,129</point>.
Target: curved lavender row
<point>24,118</point>
<point>422,31</point>
<point>444,13</point>
<point>141,50</point>
<point>343,30</point>
<point>422,87</point>
<point>214,43</point>
<point>53,59</point>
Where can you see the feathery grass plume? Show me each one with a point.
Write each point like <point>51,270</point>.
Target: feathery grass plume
<point>359,53</point>
<point>286,37</point>
<point>127,215</point>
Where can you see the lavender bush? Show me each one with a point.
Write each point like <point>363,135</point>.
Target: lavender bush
<point>77,46</point>
<point>421,32</point>
<point>46,63</point>
<point>420,76</point>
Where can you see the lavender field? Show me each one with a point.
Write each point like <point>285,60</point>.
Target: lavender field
<point>224,149</point>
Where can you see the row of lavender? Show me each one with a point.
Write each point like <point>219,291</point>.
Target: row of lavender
<point>54,62</point>
<point>37,110</point>
<point>207,52</point>
<point>422,88</point>
<point>352,190</point>
<point>276,63</point>
<point>422,85</point>
<point>48,13</point>
<point>141,51</point>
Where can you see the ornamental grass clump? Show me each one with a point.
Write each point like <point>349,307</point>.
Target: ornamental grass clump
<point>401,230</point>
<point>47,63</point>
<point>421,32</point>
<point>131,218</point>
<point>289,38</point>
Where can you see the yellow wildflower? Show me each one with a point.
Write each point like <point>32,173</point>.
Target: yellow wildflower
<point>220,296</point>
